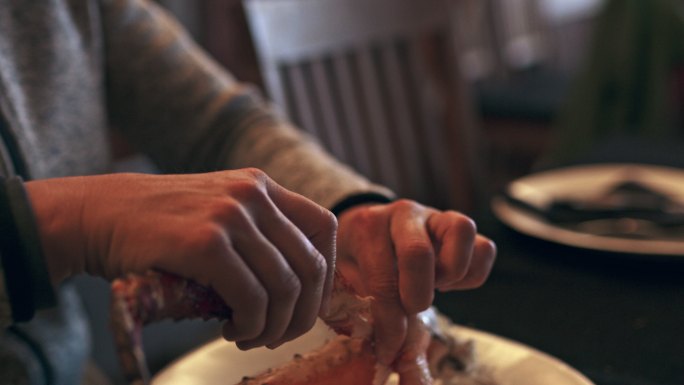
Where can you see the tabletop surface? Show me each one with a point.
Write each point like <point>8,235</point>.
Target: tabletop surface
<point>616,318</point>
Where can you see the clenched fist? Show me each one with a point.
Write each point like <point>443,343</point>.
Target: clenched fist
<point>399,253</point>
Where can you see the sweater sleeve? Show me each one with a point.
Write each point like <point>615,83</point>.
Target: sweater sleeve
<point>189,115</point>
<point>25,282</point>
<point>5,308</point>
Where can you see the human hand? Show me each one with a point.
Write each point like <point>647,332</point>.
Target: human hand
<point>268,252</point>
<point>399,253</point>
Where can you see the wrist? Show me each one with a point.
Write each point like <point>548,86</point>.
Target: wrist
<point>58,210</point>
<point>359,200</point>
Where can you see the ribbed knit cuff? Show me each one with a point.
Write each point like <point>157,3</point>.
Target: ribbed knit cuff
<point>26,276</point>
<point>358,199</point>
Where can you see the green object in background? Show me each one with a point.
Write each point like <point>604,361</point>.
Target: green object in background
<point>632,84</point>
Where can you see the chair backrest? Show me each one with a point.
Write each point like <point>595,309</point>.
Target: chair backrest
<point>377,81</point>
<point>500,37</point>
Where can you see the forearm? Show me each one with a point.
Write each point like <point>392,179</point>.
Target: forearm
<point>299,164</point>
<point>190,115</point>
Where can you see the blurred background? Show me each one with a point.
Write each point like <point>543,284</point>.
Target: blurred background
<point>518,57</point>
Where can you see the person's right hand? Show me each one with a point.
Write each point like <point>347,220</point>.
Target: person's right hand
<point>268,252</point>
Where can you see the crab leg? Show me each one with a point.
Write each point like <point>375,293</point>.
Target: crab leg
<point>140,299</point>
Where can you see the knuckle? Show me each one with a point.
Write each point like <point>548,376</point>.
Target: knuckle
<point>251,183</point>
<point>249,190</point>
<point>313,273</point>
<point>405,204</point>
<point>324,221</point>
<point>287,288</point>
<point>384,290</point>
<point>256,174</point>
<point>328,222</point>
<point>208,237</point>
<point>226,210</point>
<point>416,252</point>
<point>465,227</point>
<point>368,219</point>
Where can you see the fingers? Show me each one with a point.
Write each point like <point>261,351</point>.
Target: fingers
<point>415,257</point>
<point>391,330</point>
<point>436,250</point>
<point>483,257</point>
<point>412,365</point>
<point>249,274</point>
<point>464,258</point>
<point>317,224</point>
<point>249,306</point>
<point>416,372</point>
<point>399,253</point>
<point>219,266</point>
<point>308,264</point>
<point>269,253</point>
<point>377,266</point>
<point>292,260</point>
<point>455,234</point>
<point>282,288</point>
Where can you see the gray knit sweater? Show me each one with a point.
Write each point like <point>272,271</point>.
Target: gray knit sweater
<point>70,70</point>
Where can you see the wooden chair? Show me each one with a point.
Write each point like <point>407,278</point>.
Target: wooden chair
<point>377,81</point>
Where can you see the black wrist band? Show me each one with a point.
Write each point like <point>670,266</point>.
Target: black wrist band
<point>358,199</point>
<point>26,277</point>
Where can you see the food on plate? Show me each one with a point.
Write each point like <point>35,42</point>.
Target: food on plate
<point>429,354</point>
<point>342,360</point>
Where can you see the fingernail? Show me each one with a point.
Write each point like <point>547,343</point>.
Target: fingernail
<point>244,345</point>
<point>274,345</point>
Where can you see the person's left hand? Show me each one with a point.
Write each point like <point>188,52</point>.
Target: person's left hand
<point>399,253</point>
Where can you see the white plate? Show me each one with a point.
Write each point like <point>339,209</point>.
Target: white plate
<point>220,362</point>
<point>584,182</point>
